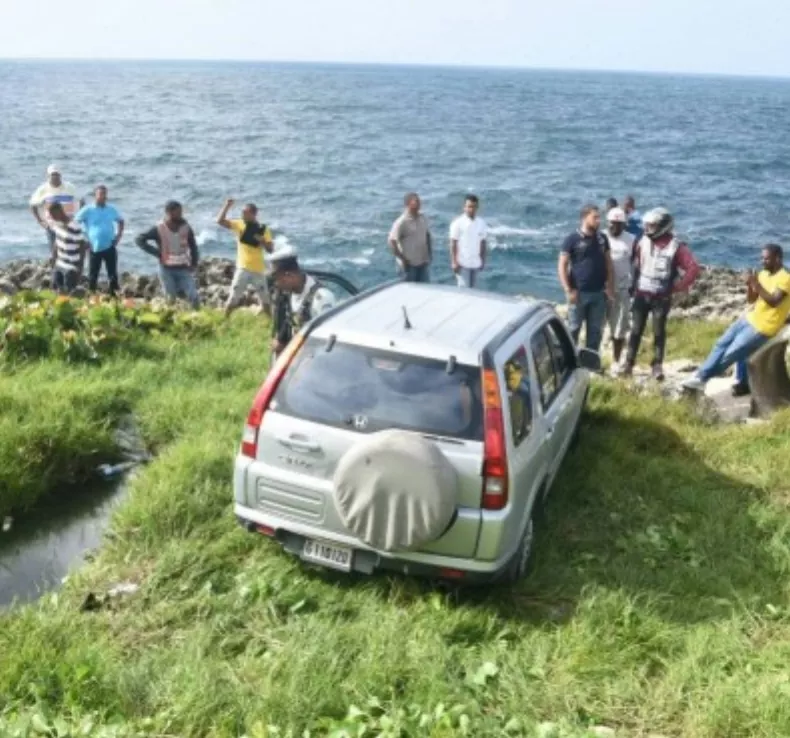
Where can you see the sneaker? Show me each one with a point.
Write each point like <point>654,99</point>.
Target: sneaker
<point>693,384</point>
<point>658,372</point>
<point>741,389</point>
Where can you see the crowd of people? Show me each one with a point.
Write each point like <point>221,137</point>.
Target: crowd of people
<point>624,273</point>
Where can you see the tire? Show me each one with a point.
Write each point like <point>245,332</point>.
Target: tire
<point>522,562</point>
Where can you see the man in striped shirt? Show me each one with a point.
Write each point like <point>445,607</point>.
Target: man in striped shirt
<point>68,249</point>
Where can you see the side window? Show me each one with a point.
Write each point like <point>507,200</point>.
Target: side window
<point>561,351</point>
<point>518,395</point>
<point>544,365</point>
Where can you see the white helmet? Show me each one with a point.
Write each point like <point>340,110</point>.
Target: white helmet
<point>657,223</point>
<point>323,300</point>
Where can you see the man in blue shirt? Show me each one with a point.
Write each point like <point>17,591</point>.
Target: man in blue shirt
<point>634,222</point>
<point>103,227</point>
<point>587,276</point>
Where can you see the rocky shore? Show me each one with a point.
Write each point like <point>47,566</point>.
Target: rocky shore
<point>719,293</point>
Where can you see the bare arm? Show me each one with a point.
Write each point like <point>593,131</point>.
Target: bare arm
<point>119,234</point>
<point>483,252</point>
<point>34,209</point>
<point>562,272</point>
<point>193,250</point>
<point>222,218</point>
<point>454,254</point>
<point>394,243</point>
<point>429,239</point>
<point>609,274</point>
<point>772,298</point>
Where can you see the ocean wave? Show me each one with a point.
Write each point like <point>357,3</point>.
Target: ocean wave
<point>503,230</point>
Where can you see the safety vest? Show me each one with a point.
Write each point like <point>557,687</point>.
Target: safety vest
<point>174,245</point>
<point>657,270</point>
<point>302,316</point>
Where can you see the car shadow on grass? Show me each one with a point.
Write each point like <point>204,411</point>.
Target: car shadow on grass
<point>636,510</point>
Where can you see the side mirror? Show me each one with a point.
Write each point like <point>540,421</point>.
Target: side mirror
<point>590,360</point>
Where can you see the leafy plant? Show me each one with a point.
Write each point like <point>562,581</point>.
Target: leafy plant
<point>35,325</point>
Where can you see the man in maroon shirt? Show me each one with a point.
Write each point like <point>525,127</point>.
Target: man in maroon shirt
<point>663,265</point>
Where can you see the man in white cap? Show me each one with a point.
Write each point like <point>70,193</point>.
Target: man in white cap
<point>621,245</point>
<point>298,297</point>
<point>54,190</point>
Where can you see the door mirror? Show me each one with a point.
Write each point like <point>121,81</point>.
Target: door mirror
<point>590,360</point>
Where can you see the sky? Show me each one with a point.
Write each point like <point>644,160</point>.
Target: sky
<point>689,36</point>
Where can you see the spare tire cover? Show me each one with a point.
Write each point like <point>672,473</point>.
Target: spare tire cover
<point>395,490</point>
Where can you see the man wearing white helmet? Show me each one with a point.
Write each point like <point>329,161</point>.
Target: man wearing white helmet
<point>621,246</point>
<point>298,297</point>
<point>663,266</point>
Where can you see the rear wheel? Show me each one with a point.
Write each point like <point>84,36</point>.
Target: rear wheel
<point>522,562</point>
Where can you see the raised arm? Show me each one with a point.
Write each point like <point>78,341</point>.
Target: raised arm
<point>772,298</point>
<point>222,218</point>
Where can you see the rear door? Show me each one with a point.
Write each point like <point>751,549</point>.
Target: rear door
<point>549,394</point>
<point>568,389</point>
<point>333,395</point>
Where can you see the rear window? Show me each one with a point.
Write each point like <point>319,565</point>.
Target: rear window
<point>368,390</point>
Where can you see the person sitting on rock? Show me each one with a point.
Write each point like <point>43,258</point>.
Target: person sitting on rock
<point>253,238</point>
<point>298,298</point>
<point>69,246</point>
<point>659,261</point>
<point>173,243</point>
<point>769,296</point>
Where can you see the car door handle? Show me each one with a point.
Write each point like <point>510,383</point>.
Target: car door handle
<point>298,444</point>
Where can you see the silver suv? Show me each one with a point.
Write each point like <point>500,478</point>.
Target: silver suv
<point>415,428</point>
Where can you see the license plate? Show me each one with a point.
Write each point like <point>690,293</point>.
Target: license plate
<point>327,554</point>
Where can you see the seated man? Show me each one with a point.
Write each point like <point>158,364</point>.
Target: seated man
<point>298,298</point>
<point>769,295</point>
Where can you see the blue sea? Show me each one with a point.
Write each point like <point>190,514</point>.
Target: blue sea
<point>327,152</point>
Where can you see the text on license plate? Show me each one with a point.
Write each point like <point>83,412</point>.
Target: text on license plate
<point>327,554</point>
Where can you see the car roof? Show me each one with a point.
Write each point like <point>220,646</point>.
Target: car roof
<point>445,321</point>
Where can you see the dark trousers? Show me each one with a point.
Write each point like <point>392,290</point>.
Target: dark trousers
<point>65,281</point>
<point>420,273</point>
<point>109,257</point>
<point>641,308</point>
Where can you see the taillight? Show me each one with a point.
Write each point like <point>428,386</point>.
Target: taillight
<point>249,437</point>
<point>495,474</point>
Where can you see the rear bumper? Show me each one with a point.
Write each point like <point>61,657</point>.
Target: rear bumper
<point>291,535</point>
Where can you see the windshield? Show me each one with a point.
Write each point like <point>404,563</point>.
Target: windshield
<point>369,390</point>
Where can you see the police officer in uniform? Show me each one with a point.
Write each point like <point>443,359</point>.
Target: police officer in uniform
<point>298,297</point>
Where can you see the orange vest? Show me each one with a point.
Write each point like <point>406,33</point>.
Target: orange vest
<point>174,245</point>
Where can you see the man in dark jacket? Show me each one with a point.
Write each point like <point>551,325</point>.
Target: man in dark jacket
<point>173,243</point>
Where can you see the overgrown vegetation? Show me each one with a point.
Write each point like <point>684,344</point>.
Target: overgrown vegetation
<point>39,324</point>
<point>659,604</point>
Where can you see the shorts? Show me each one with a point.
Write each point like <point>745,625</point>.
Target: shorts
<point>244,278</point>
<point>620,315</point>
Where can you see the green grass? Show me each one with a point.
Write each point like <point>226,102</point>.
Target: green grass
<point>659,603</point>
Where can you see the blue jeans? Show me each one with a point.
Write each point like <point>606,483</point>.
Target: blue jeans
<point>590,311</point>
<point>737,344</point>
<point>177,280</point>
<point>466,277</point>
<point>420,273</point>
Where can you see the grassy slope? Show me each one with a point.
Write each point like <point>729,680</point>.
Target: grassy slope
<point>659,604</point>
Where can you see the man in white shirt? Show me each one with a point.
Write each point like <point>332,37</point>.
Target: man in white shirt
<point>54,190</point>
<point>468,235</point>
<point>621,248</point>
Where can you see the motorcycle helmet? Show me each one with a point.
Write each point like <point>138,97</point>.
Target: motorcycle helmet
<point>658,222</point>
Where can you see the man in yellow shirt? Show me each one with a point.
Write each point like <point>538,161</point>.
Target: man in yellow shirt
<point>252,239</point>
<point>769,295</point>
